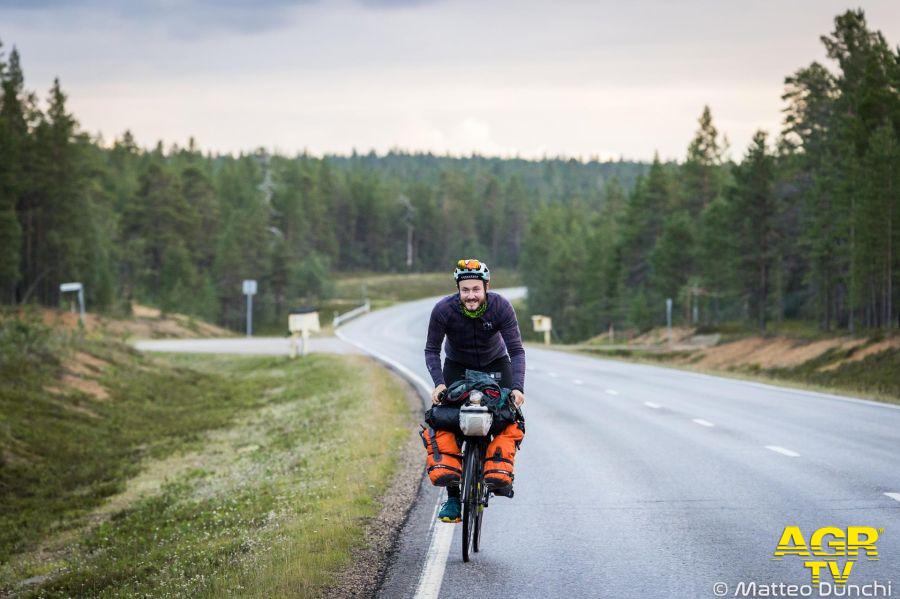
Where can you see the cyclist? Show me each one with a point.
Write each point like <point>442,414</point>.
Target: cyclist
<point>482,333</point>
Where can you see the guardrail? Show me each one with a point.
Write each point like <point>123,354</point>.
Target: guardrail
<point>342,318</point>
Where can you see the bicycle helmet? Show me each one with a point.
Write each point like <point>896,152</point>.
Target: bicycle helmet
<point>471,269</point>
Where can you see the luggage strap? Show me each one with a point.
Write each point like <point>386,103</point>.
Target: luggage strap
<point>434,447</point>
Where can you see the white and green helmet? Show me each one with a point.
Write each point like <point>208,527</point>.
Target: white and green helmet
<point>471,269</point>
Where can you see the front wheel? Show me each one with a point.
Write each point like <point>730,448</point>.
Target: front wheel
<point>469,498</point>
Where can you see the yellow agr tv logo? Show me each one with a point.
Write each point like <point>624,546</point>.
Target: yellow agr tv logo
<point>831,544</point>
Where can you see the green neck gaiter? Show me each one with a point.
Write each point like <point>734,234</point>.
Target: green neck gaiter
<point>474,313</point>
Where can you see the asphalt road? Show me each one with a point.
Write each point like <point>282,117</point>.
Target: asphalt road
<point>642,481</point>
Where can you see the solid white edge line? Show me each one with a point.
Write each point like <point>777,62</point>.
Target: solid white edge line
<point>650,404</point>
<point>703,422</point>
<point>894,496</point>
<point>783,451</point>
<point>432,575</point>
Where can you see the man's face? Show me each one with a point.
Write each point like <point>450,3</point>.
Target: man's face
<point>472,293</point>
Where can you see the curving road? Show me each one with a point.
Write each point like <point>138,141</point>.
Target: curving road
<point>642,481</point>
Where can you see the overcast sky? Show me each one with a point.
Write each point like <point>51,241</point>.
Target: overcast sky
<point>594,78</point>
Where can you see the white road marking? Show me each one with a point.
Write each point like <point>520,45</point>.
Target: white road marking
<point>894,496</point>
<point>783,451</point>
<point>612,392</point>
<point>441,536</point>
<point>703,422</point>
<point>553,374</point>
<point>578,382</point>
<point>650,404</point>
<point>432,576</point>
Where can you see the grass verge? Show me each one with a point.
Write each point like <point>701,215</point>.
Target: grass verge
<point>189,475</point>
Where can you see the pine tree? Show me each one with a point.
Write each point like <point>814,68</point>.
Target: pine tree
<point>158,221</point>
<point>59,216</point>
<point>642,224</point>
<point>672,258</point>
<point>702,178</point>
<point>757,231</point>
<point>11,180</point>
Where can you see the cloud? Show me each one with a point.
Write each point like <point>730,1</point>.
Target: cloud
<point>393,3</point>
<point>196,18</point>
<point>180,19</point>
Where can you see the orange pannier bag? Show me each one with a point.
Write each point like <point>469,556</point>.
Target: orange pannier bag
<point>500,456</point>
<point>444,456</point>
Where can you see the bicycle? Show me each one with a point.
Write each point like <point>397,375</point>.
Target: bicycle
<point>475,494</point>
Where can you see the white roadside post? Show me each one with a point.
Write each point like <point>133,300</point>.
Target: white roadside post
<point>669,318</point>
<point>69,287</point>
<point>301,323</point>
<point>542,324</point>
<point>249,291</point>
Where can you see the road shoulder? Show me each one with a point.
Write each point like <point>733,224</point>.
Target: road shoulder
<point>370,563</point>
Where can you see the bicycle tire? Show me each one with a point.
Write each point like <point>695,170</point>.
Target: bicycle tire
<point>479,508</point>
<point>469,506</point>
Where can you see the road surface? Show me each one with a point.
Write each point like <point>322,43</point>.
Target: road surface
<point>642,481</point>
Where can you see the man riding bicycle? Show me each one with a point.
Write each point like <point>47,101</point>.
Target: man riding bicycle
<point>482,333</point>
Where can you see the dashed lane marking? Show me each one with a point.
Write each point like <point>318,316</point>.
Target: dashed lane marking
<point>783,451</point>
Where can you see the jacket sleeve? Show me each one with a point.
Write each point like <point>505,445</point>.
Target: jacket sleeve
<point>512,337</point>
<point>436,332</point>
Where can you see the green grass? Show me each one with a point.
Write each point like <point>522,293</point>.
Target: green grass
<point>199,475</point>
<point>877,375</point>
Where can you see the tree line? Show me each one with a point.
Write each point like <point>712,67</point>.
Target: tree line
<point>805,226</point>
<point>180,229</point>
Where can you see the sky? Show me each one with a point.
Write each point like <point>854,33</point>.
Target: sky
<point>524,78</point>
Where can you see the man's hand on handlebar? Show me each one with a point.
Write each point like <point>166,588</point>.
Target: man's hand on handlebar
<point>518,397</point>
<point>438,394</point>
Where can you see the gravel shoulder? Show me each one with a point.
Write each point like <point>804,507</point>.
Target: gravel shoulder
<point>370,563</point>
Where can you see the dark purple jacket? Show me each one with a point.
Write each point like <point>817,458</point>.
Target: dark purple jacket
<point>475,342</point>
